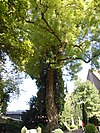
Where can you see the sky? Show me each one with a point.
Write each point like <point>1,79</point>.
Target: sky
<point>28,88</point>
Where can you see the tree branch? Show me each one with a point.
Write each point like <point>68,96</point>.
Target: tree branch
<point>42,27</point>
<point>52,31</point>
<point>78,46</point>
<point>79,58</point>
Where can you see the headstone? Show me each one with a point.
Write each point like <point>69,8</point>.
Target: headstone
<point>80,122</point>
<point>32,131</point>
<point>24,130</point>
<point>73,121</point>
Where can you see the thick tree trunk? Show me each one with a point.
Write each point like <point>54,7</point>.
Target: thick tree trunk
<point>52,112</point>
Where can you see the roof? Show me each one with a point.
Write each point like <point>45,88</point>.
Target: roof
<point>5,119</point>
<point>15,112</point>
<point>94,78</point>
<point>97,73</point>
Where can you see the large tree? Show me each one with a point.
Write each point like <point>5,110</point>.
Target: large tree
<point>64,33</point>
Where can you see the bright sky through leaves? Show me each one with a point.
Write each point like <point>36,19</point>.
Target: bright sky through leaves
<point>28,88</point>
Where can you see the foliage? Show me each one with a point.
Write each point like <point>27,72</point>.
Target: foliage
<point>34,117</point>
<point>90,128</point>
<point>41,94</point>
<point>86,93</point>
<point>10,78</point>
<point>58,130</point>
<point>59,90</point>
<point>8,87</point>
<point>94,120</point>
<point>41,86</point>
<point>84,115</point>
<point>14,127</point>
<point>11,127</point>
<point>67,112</point>
<point>38,104</point>
<point>13,40</point>
<point>63,39</point>
<point>73,127</point>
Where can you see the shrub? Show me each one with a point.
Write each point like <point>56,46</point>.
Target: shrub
<point>90,128</point>
<point>93,120</point>
<point>58,131</point>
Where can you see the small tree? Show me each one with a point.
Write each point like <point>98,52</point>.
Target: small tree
<point>86,93</point>
<point>10,78</point>
<point>90,128</point>
<point>67,113</point>
<point>94,120</point>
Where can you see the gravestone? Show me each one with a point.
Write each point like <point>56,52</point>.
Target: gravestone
<point>24,130</point>
<point>32,131</point>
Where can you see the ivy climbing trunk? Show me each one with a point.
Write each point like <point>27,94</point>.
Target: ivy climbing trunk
<point>51,107</point>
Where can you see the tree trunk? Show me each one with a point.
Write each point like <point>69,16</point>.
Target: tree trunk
<point>52,112</point>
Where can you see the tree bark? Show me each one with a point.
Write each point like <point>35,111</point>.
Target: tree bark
<point>51,107</point>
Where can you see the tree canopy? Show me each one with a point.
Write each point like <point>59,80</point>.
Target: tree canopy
<point>13,40</point>
<point>65,33</point>
<point>86,93</point>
